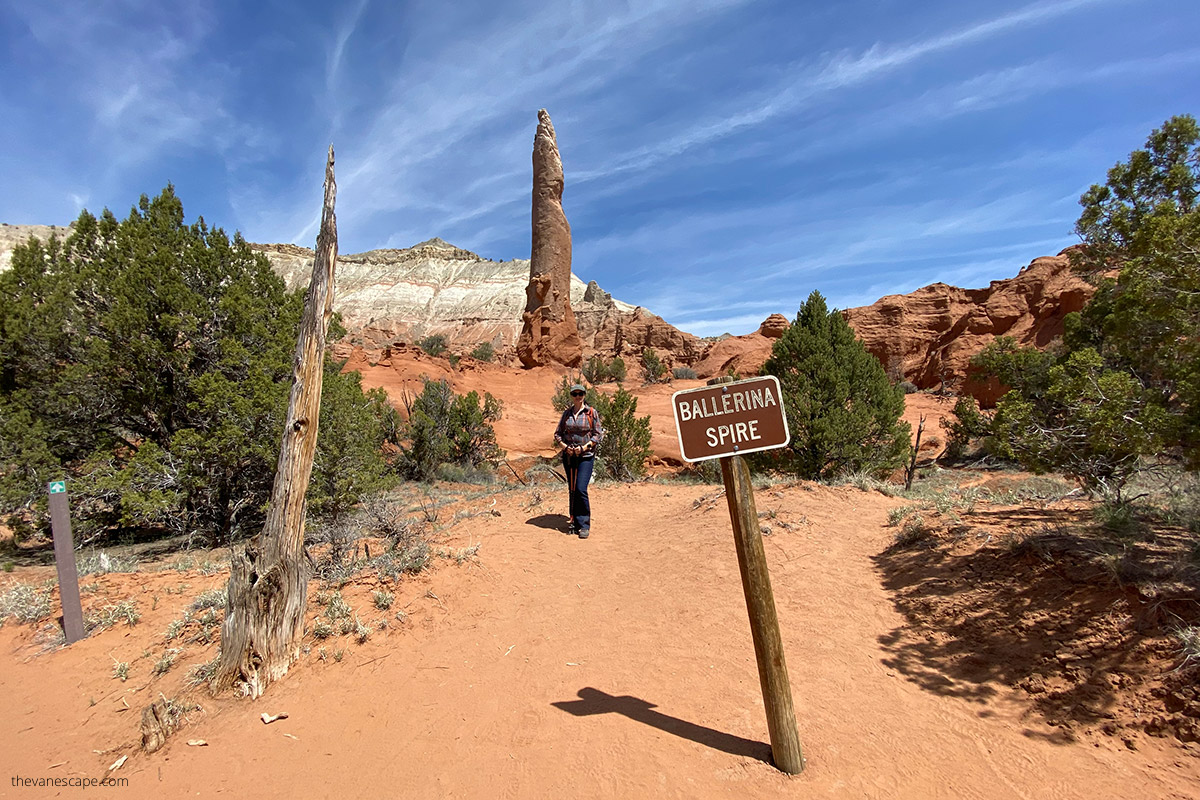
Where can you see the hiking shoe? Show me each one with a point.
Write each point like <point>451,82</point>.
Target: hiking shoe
<point>572,529</point>
<point>583,532</point>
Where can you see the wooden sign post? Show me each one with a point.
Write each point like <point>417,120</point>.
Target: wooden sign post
<point>725,420</point>
<point>64,558</point>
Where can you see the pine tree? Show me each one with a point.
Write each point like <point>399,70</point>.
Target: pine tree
<point>842,412</point>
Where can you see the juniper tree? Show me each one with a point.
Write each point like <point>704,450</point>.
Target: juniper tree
<point>1124,384</point>
<point>445,428</point>
<point>1144,225</point>
<point>843,412</point>
<point>150,360</point>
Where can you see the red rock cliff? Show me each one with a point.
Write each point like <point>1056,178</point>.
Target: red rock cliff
<point>931,334</point>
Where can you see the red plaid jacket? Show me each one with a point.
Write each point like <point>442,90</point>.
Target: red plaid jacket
<point>577,429</point>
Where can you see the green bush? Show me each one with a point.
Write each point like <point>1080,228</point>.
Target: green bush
<point>968,424</point>
<point>626,443</point>
<point>355,427</point>
<point>597,370</point>
<point>434,345</point>
<point>684,373</point>
<point>653,368</point>
<point>843,413</point>
<point>1069,412</point>
<point>616,369</point>
<point>447,428</point>
<point>484,352</point>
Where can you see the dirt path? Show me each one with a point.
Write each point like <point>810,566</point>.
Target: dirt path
<point>620,667</point>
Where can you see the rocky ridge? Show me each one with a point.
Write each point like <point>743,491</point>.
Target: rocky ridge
<point>391,297</point>
<point>928,336</point>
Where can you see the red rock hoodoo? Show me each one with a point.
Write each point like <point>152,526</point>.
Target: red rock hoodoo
<point>774,326</point>
<point>549,334</point>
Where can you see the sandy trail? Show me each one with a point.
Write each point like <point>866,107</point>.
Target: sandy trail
<point>620,667</point>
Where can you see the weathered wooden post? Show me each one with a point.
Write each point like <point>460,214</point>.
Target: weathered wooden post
<point>64,559</point>
<point>726,420</point>
<point>268,582</point>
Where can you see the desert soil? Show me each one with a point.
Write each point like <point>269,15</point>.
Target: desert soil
<point>616,667</point>
<point>547,666</point>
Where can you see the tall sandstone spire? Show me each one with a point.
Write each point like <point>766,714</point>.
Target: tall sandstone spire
<point>549,334</point>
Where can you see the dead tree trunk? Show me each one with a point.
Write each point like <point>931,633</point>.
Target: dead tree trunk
<point>911,469</point>
<point>268,582</point>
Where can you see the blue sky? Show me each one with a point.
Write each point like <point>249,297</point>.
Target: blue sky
<point>723,157</point>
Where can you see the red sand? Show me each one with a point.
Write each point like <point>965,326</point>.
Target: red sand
<point>620,667</point>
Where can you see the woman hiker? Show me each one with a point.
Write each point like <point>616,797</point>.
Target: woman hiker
<point>579,432</point>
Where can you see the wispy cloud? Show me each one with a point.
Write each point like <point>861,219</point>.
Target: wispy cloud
<point>723,157</point>
<point>466,112</point>
<point>481,100</point>
<point>339,45</point>
<point>132,77</point>
<point>805,85</point>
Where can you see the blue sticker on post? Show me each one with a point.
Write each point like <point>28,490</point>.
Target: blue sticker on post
<point>58,487</point>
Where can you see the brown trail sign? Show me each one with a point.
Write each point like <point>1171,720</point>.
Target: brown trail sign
<point>725,420</point>
<point>730,418</point>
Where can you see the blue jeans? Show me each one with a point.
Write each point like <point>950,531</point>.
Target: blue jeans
<point>579,474</point>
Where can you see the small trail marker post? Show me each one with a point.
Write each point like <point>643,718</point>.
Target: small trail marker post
<point>727,420</point>
<point>64,559</point>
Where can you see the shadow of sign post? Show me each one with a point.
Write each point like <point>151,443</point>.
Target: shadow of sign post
<point>726,420</point>
<point>593,701</point>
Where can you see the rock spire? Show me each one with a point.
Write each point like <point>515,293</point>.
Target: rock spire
<point>549,334</point>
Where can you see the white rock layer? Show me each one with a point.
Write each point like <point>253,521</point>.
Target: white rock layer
<point>389,296</point>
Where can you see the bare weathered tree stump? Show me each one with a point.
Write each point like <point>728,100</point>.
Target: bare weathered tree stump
<point>157,725</point>
<point>268,581</point>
